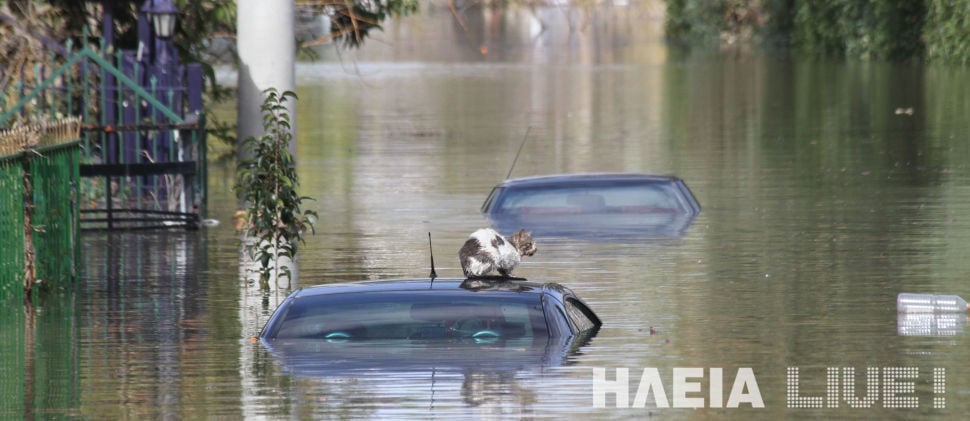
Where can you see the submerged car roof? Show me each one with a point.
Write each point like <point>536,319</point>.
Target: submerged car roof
<point>456,285</point>
<point>556,179</point>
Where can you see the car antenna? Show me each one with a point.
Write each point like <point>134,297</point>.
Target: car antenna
<point>431,252</point>
<point>524,138</point>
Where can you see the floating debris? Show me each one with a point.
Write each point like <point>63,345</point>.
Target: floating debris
<point>929,303</point>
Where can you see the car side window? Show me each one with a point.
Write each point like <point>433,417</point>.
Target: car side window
<point>578,314</point>
<point>557,320</point>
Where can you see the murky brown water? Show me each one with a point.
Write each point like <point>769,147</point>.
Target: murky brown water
<point>821,203</point>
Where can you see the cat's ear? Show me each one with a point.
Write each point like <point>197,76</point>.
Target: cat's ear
<point>522,232</point>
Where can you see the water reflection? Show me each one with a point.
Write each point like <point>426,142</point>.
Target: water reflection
<point>401,374</point>
<point>143,319</point>
<point>347,358</point>
<point>40,369</point>
<point>284,272</point>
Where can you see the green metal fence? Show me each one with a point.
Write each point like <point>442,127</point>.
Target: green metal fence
<point>143,133</point>
<point>12,228</point>
<point>54,177</point>
<point>38,204</point>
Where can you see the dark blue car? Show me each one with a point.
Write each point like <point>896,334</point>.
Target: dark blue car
<point>477,309</point>
<point>428,325</point>
<point>593,205</point>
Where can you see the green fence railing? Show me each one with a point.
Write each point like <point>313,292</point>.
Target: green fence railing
<point>143,162</point>
<point>39,178</point>
<point>12,228</point>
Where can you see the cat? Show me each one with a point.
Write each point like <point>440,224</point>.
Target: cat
<point>486,250</point>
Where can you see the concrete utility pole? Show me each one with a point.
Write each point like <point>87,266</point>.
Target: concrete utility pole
<point>267,57</point>
<point>266,43</point>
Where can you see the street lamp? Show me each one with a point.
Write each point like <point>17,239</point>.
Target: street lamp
<point>163,14</point>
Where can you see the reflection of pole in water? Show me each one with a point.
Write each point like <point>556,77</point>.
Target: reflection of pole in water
<point>255,307</point>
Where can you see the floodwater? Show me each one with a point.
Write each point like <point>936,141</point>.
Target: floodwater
<point>827,188</point>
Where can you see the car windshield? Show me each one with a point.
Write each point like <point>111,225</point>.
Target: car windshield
<point>410,315</point>
<point>634,198</point>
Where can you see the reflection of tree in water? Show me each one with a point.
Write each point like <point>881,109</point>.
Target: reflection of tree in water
<point>495,389</point>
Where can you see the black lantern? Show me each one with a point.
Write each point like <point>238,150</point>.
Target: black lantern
<point>163,14</point>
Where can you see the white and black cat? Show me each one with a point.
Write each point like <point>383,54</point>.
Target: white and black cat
<point>486,250</point>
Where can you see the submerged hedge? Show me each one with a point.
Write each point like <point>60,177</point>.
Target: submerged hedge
<point>878,29</point>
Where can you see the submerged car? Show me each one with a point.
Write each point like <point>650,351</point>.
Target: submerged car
<point>489,310</point>
<point>597,204</point>
<point>433,325</point>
